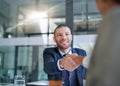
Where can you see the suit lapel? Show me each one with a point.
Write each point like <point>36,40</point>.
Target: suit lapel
<point>57,54</point>
<point>73,50</point>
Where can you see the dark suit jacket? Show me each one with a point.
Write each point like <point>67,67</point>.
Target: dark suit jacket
<point>51,56</point>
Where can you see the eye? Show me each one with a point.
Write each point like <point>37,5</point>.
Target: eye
<point>59,34</point>
<point>67,34</point>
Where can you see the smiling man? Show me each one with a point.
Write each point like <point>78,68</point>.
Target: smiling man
<point>63,62</point>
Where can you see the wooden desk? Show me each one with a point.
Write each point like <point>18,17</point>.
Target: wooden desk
<point>45,83</point>
<point>55,83</point>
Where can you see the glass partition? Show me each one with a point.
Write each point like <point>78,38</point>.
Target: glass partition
<point>22,62</point>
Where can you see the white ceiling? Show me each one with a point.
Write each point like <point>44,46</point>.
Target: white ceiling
<point>56,7</point>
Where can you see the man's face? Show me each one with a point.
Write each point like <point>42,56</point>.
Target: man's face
<point>63,37</point>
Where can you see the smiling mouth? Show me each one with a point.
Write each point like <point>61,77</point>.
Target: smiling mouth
<point>64,42</point>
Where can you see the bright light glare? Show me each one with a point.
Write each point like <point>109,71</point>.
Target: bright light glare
<point>43,24</point>
<point>35,14</point>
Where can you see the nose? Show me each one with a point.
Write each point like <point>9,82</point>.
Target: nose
<point>64,36</point>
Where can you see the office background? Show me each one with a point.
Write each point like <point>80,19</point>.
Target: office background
<point>26,29</point>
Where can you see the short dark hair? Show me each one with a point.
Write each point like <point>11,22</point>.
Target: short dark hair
<point>59,26</point>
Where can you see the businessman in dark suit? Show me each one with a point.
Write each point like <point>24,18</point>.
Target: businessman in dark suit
<point>63,62</point>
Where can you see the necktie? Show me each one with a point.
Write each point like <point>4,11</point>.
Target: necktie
<point>69,78</point>
<point>65,76</point>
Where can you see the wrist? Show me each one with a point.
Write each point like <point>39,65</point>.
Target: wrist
<point>61,66</point>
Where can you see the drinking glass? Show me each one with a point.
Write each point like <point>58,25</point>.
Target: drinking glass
<point>19,80</point>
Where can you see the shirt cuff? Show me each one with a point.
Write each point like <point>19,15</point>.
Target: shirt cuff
<point>58,64</point>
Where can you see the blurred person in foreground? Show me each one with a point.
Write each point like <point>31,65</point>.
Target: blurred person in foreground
<point>104,67</point>
<point>64,63</point>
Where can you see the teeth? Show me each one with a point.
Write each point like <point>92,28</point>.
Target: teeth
<point>64,42</point>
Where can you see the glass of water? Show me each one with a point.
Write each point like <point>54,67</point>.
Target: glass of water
<point>19,80</point>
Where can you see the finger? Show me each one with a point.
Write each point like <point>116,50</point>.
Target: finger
<point>74,54</point>
<point>69,63</point>
<point>78,60</point>
<point>70,68</point>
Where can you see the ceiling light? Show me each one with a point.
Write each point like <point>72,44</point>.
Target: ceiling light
<point>36,15</point>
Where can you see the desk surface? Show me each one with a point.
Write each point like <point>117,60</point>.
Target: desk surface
<point>36,83</point>
<point>6,84</point>
<point>42,83</point>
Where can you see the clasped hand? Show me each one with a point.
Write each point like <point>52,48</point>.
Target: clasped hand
<point>71,61</point>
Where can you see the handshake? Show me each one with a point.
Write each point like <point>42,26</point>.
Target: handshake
<point>71,61</point>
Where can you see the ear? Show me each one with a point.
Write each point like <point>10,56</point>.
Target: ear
<point>71,37</point>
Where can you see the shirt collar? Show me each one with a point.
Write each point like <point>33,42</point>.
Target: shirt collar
<point>62,53</point>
